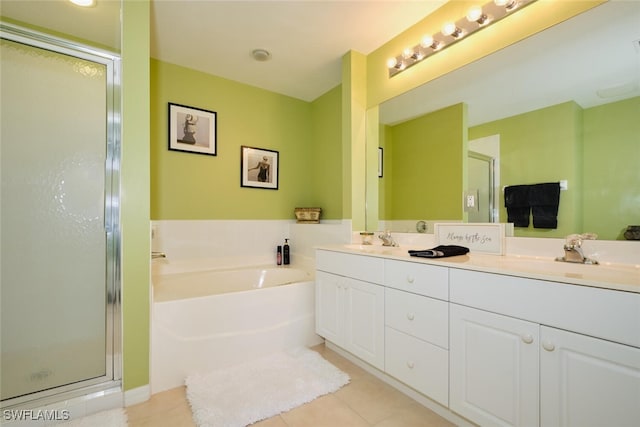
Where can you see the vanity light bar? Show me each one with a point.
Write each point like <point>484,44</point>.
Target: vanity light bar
<point>478,17</point>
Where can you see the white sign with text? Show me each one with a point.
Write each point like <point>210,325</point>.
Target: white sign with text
<point>479,237</point>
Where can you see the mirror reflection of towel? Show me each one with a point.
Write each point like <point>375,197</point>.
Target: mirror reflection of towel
<point>544,200</point>
<point>516,200</point>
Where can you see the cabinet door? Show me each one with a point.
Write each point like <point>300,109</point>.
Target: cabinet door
<point>364,327</point>
<point>587,381</point>
<point>494,368</point>
<point>330,290</point>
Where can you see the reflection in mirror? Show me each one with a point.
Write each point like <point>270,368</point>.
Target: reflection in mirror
<point>562,105</point>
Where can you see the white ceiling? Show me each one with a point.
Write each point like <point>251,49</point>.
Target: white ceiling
<point>100,24</point>
<point>306,38</point>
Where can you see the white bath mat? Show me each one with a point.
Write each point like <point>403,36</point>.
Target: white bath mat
<point>250,392</point>
<point>111,418</point>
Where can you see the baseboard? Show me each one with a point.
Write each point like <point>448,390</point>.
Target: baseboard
<point>137,395</point>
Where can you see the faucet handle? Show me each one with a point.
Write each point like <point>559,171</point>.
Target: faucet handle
<point>575,240</point>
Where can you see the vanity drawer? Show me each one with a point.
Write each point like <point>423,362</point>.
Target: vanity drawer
<point>421,317</point>
<point>420,365</point>
<point>602,313</point>
<point>423,279</point>
<point>366,268</point>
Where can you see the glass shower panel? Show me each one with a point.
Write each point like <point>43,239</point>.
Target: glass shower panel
<point>480,183</point>
<point>52,253</point>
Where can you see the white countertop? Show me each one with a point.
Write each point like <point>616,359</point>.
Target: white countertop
<point>621,277</point>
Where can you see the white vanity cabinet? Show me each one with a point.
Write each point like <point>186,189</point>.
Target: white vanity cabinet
<point>350,311</point>
<point>417,327</point>
<point>498,348</point>
<point>514,360</point>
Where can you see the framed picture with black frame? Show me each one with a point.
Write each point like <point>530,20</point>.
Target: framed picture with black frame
<point>192,130</point>
<point>259,168</point>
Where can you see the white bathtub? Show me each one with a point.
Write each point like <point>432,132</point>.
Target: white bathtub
<point>205,320</point>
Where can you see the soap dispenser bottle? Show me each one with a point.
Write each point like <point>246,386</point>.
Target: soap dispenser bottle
<point>285,253</point>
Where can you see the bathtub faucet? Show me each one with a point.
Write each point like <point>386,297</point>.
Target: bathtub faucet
<point>155,255</point>
<point>387,239</point>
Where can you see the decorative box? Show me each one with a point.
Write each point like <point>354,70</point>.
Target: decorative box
<point>308,215</point>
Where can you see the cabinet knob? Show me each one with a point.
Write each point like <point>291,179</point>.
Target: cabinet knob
<point>527,338</point>
<point>410,279</point>
<point>410,316</point>
<point>410,365</point>
<point>548,345</point>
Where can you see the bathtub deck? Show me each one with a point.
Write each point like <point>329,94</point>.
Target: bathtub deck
<point>365,401</point>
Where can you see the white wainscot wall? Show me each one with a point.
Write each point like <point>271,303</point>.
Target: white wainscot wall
<point>230,243</point>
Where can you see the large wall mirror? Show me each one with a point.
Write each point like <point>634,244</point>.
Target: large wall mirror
<point>561,106</point>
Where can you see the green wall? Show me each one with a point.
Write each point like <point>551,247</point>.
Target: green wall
<point>542,146</point>
<point>612,168</point>
<point>193,186</point>
<point>135,193</point>
<point>427,156</point>
<point>326,154</point>
<point>385,182</point>
<point>354,141</point>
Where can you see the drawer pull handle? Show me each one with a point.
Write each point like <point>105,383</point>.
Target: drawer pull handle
<point>410,316</point>
<point>548,346</point>
<point>410,365</point>
<point>527,339</point>
<point>410,279</point>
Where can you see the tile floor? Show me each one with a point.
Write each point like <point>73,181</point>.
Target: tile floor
<point>365,401</point>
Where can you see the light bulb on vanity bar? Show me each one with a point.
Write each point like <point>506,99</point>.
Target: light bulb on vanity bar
<point>84,3</point>
<point>451,29</point>
<point>475,14</point>
<point>429,42</point>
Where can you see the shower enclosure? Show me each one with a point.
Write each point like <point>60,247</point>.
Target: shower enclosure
<point>59,220</point>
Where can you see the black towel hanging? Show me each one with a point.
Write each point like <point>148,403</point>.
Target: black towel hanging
<point>545,201</point>
<point>516,200</point>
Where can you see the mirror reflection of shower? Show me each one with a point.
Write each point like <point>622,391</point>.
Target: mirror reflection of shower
<point>481,201</point>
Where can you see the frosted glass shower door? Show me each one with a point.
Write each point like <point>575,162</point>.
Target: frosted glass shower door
<point>53,152</point>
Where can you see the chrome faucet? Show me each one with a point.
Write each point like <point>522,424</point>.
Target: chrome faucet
<point>573,249</point>
<point>155,255</point>
<point>387,239</point>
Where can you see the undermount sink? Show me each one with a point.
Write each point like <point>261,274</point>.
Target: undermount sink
<point>549,266</point>
<point>377,249</point>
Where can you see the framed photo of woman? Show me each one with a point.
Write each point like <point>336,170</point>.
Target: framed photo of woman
<point>192,129</point>
<point>259,168</point>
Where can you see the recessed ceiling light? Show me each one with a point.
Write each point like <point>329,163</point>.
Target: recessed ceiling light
<point>261,55</point>
<point>84,3</point>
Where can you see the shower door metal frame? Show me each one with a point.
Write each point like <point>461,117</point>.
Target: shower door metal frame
<point>112,379</point>
<point>491,164</point>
